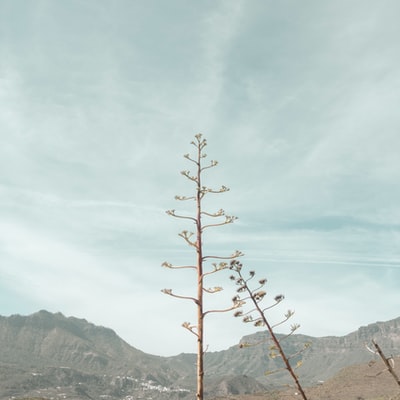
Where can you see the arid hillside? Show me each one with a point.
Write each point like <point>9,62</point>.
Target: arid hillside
<point>367,381</point>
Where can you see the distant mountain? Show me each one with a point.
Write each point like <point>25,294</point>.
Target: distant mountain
<point>46,339</point>
<point>50,350</point>
<point>324,358</point>
<point>49,354</point>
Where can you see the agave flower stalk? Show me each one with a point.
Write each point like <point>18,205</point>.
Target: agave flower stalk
<point>195,241</point>
<point>257,315</point>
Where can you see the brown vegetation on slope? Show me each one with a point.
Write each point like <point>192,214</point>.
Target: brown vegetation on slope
<point>359,382</point>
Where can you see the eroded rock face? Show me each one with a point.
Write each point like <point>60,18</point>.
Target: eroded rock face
<point>46,351</point>
<point>44,338</point>
<point>324,358</point>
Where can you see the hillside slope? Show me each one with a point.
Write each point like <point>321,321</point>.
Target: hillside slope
<point>44,351</point>
<point>44,339</point>
<point>324,358</point>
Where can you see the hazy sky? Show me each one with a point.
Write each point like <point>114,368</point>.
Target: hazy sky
<point>298,100</point>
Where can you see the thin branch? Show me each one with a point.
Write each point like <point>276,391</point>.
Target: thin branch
<point>228,220</point>
<point>186,236</point>
<point>169,293</point>
<point>183,198</point>
<point>387,362</point>
<point>222,310</point>
<point>236,254</point>
<point>172,214</point>
<point>369,349</point>
<point>213,163</point>
<point>289,334</point>
<point>222,189</point>
<point>166,264</point>
<point>191,177</point>
<point>190,328</point>
<point>213,290</point>
<point>287,316</point>
<point>219,213</point>
<point>210,272</point>
<point>306,346</point>
<point>190,159</point>
<point>247,344</point>
<point>271,306</point>
<point>244,314</point>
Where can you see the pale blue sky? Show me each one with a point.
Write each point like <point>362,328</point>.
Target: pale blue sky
<point>299,101</point>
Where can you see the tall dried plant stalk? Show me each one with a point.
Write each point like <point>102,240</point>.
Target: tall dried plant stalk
<point>202,221</point>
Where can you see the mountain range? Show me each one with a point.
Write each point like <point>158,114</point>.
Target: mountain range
<point>50,356</point>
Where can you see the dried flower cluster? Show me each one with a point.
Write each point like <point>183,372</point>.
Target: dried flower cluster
<point>202,220</point>
<point>257,315</point>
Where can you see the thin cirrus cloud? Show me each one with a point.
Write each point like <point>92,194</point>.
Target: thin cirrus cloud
<point>298,104</point>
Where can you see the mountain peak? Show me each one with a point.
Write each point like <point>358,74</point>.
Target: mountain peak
<point>45,337</point>
<point>51,340</point>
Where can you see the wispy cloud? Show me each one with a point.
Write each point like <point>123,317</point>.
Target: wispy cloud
<point>299,106</point>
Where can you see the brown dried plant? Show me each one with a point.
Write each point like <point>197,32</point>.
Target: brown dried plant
<point>257,315</point>
<point>202,221</point>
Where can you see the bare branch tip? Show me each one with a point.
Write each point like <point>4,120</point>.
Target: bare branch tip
<point>166,264</point>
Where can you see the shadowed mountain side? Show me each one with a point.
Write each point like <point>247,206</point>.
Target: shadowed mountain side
<point>44,339</point>
<point>324,358</point>
<point>45,351</point>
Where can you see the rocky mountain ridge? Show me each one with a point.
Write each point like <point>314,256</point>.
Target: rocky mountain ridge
<point>44,351</point>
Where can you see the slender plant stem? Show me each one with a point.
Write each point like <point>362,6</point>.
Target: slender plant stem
<point>200,313</point>
<point>274,338</point>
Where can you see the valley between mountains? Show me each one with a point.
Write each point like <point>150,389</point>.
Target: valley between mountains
<point>50,356</point>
